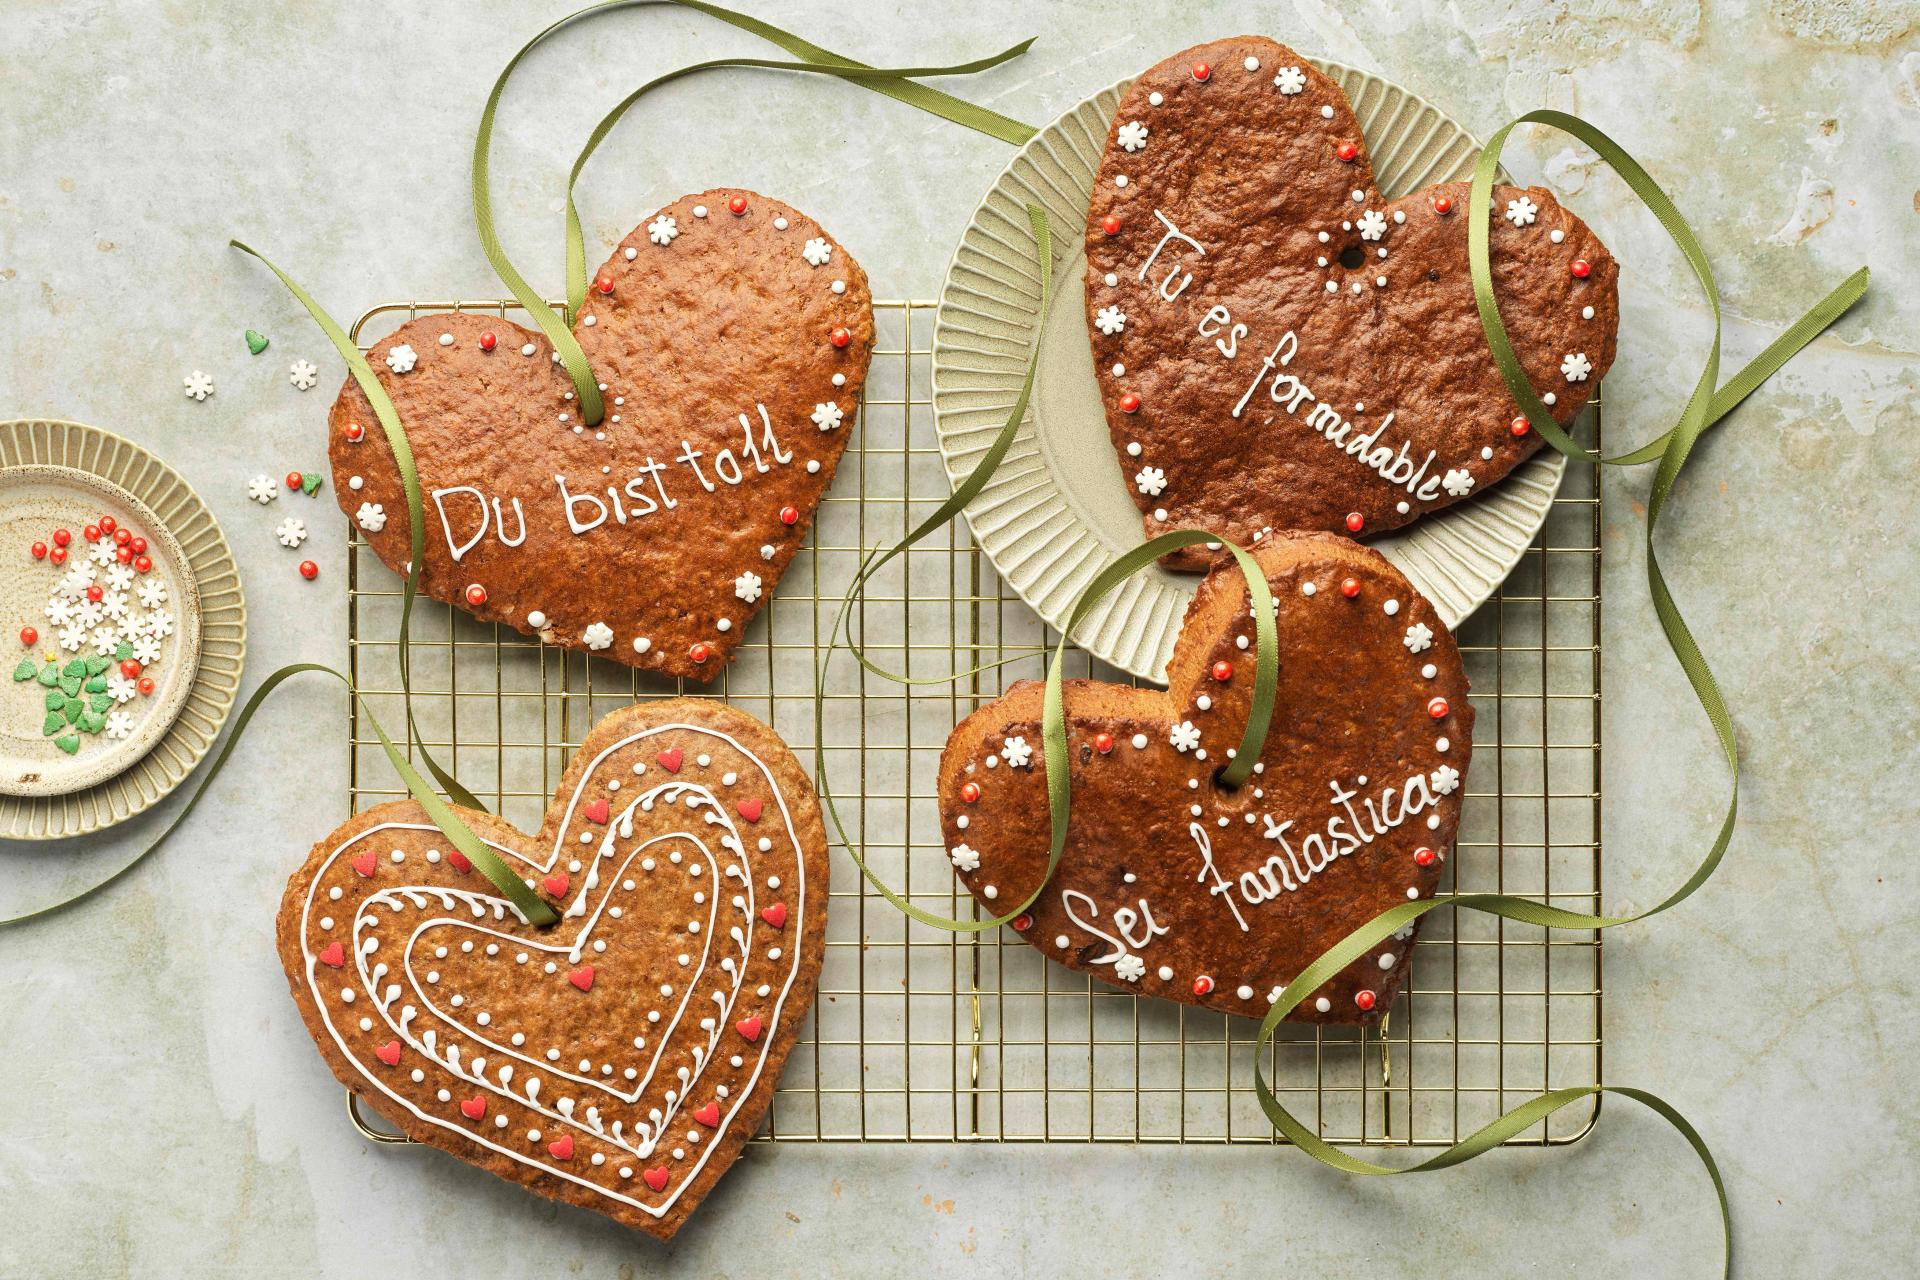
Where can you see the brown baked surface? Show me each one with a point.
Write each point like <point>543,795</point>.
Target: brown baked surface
<point>727,317</point>
<point>1252,175</point>
<point>1353,702</point>
<point>597,1025</point>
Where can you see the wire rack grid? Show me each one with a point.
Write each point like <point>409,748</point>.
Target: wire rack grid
<point>921,1036</point>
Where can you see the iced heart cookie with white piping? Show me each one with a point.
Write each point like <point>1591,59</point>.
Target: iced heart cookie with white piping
<point>1279,346</point>
<point>1173,885</point>
<point>620,1060</point>
<point>731,335</point>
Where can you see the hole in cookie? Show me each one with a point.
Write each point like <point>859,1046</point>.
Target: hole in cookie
<point>1353,257</point>
<point>1220,783</point>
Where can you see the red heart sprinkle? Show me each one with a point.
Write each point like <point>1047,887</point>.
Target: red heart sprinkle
<point>596,811</point>
<point>335,956</point>
<point>749,809</point>
<point>655,1178</point>
<point>561,1148</point>
<point>473,1108</point>
<point>582,977</point>
<point>708,1115</point>
<point>556,884</point>
<point>365,863</point>
<point>389,1053</point>
<point>775,915</point>
<point>749,1028</point>
<point>670,759</point>
<point>459,861</point>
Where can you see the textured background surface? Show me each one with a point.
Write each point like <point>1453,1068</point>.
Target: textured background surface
<point>164,1113</point>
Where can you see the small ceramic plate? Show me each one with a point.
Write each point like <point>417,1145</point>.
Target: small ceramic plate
<point>57,475</point>
<point>1056,511</point>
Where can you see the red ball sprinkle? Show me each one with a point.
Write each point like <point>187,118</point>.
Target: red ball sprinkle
<point>1346,151</point>
<point>137,546</point>
<point>130,668</point>
<point>1201,71</point>
<point>1437,708</point>
<point>700,652</point>
<point>353,431</point>
<point>1424,856</point>
<point>1203,985</point>
<point>107,524</point>
<point>839,336</point>
<point>29,637</point>
<point>1222,671</point>
<point>39,550</point>
<point>309,570</point>
<point>146,684</point>
<point>142,564</point>
<point>124,537</point>
<point>1443,205</point>
<point>96,592</point>
<point>292,481</point>
<point>1022,922</point>
<point>58,555</point>
<point>1111,224</point>
<point>488,342</point>
<point>1350,587</point>
<point>1365,999</point>
<point>1519,426</point>
<point>1102,742</point>
<point>91,533</point>
<point>1355,522</point>
<point>1129,403</point>
<point>1582,268</point>
<point>737,205</point>
<point>124,555</point>
<point>970,792</point>
<point>62,538</point>
<point>476,594</point>
<point>604,284</point>
<point>789,515</point>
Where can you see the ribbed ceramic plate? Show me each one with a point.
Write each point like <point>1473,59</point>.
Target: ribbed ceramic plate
<point>44,460</point>
<point>1056,511</point>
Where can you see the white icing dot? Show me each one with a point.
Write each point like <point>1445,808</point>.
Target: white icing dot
<point>527,350</point>
<point>346,995</point>
<point>1112,279</point>
<point>1586,313</point>
<point>355,483</point>
<point>1556,235</point>
<point>1061,941</point>
<point>699,211</point>
<point>1307,588</point>
<point>1399,215</point>
<point>1442,744</point>
<point>1429,671</point>
<point>1251,64</point>
<point>839,286</point>
<point>1119,371</point>
<point>1413,893</point>
<point>399,855</point>
<point>366,1024</point>
<point>1166,974</point>
<point>1120,180</point>
<point>1379,282</point>
<point>1160,514</point>
<point>1386,960</point>
<point>780,224</point>
<point>1324,237</point>
<point>1391,607</point>
<point>1326,113</point>
<point>326,922</point>
<point>1323,1004</point>
<point>333,894</point>
<point>1486,453</point>
<point>725,624</point>
<point>991,891</point>
<point>1139,742</point>
<point>1155,99</point>
<point>1133,449</point>
<point>1402,507</point>
<point>1244,992</point>
<point>630,253</point>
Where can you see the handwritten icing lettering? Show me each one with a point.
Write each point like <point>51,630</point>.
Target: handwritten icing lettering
<point>1137,929</point>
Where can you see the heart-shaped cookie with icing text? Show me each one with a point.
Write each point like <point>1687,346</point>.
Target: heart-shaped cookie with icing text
<point>1170,884</point>
<point>1277,345</point>
<point>621,1059</point>
<point>731,336</point>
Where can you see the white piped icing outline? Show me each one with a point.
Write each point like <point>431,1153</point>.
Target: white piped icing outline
<point>499,908</point>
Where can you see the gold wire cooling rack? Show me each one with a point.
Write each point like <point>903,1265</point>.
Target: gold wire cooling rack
<point>921,1036</point>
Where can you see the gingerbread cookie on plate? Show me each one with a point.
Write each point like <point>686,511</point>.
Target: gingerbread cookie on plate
<point>620,1060</point>
<point>1173,885</point>
<point>1278,345</point>
<point>731,336</point>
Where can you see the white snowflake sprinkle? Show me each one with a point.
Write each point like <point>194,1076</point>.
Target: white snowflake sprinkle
<point>105,640</point>
<point>114,604</point>
<point>826,416</point>
<point>663,230</point>
<point>1521,211</point>
<point>747,587</point>
<point>199,385</point>
<point>303,374</point>
<point>1016,753</point>
<point>817,252</point>
<point>1444,780</point>
<point>263,489</point>
<point>371,516</point>
<point>119,576</point>
<point>102,553</point>
<point>158,624</point>
<point>1457,482</point>
<point>1150,481</point>
<point>146,650</point>
<point>1110,320</point>
<point>152,593</point>
<point>292,532</point>
<point>1290,80</point>
<point>1129,967</point>
<point>88,614</point>
<point>59,611</point>
<point>1418,638</point>
<point>71,638</point>
<point>1373,225</point>
<point>119,724</point>
<point>598,635</point>
<point>1575,366</point>
<point>1184,736</point>
<point>964,857</point>
<point>121,689</point>
<point>401,359</point>
<point>1132,136</point>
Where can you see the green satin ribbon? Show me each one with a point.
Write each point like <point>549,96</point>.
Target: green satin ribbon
<point>895,82</point>
<point>490,864</point>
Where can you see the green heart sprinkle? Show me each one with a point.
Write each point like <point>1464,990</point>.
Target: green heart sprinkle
<point>97,663</point>
<point>27,670</point>
<point>101,701</point>
<point>256,341</point>
<point>49,675</point>
<point>55,722</point>
<point>124,652</point>
<point>55,699</point>
<point>310,482</point>
<point>73,709</point>
<point>70,685</point>
<point>90,722</point>
<point>68,744</point>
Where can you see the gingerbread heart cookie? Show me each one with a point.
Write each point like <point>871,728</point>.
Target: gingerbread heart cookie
<point>1170,884</point>
<point>620,1060</point>
<point>730,335</point>
<point>1278,345</point>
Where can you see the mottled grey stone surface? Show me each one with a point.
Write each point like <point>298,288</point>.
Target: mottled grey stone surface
<point>164,1114</point>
